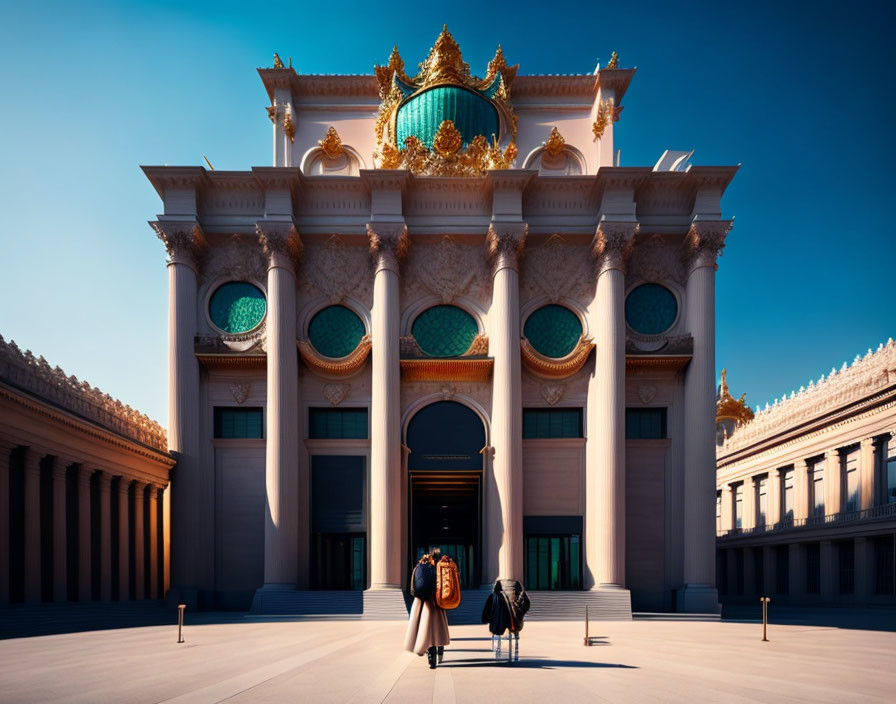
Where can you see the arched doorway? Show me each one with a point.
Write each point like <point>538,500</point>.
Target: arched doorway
<point>445,440</point>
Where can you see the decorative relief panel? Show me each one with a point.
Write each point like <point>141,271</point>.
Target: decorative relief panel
<point>557,270</point>
<point>238,258</point>
<point>654,259</point>
<point>447,270</point>
<point>480,392</point>
<point>336,271</point>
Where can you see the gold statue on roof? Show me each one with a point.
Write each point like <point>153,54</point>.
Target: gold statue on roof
<point>727,408</point>
<point>277,62</point>
<point>614,61</point>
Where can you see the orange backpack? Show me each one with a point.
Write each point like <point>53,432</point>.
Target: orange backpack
<point>447,583</point>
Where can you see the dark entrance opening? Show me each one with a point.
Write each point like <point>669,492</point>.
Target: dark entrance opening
<point>445,513</point>
<point>338,522</point>
<point>445,467</point>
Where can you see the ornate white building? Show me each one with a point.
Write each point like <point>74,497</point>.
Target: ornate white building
<point>806,490</point>
<point>444,315</point>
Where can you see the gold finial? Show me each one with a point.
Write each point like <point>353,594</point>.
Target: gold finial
<point>614,60</point>
<point>277,62</point>
<point>384,74</point>
<point>289,127</point>
<point>208,162</point>
<point>555,144</point>
<point>447,140</point>
<point>729,408</point>
<point>331,144</point>
<point>445,64</point>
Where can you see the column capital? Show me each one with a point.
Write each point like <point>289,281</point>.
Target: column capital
<point>612,244</point>
<point>389,244</point>
<point>703,244</point>
<point>33,457</point>
<point>183,241</point>
<point>104,479</point>
<point>280,243</point>
<point>833,454</point>
<point>505,242</point>
<point>800,464</point>
<point>124,483</point>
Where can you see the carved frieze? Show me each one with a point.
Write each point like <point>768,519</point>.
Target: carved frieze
<point>237,258</point>
<point>654,259</point>
<point>556,270</point>
<point>552,392</point>
<point>447,270</point>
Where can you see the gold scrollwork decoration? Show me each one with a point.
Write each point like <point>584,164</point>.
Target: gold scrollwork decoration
<point>551,368</point>
<point>331,144</point>
<point>444,66</point>
<point>555,144</point>
<point>289,126</point>
<point>335,367</point>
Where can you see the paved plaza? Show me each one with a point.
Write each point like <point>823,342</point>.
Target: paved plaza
<point>238,659</point>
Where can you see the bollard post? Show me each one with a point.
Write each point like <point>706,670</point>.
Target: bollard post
<point>587,639</point>
<point>180,622</point>
<point>765,600</point>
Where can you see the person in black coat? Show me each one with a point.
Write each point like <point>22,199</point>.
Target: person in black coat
<point>505,614</point>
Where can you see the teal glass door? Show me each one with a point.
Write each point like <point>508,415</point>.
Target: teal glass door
<point>553,562</point>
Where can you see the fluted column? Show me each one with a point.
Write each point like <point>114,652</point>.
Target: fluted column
<point>868,461</point>
<point>281,245</point>
<point>6,450</point>
<point>124,539</point>
<point>166,540</point>
<point>60,530</point>
<point>505,241</point>
<point>388,244</point>
<point>605,448</point>
<point>32,525</point>
<point>104,480</point>
<point>774,496</point>
<point>702,246</point>
<point>194,550</point>
<point>833,478</point>
<point>801,508</point>
<point>152,506</point>
<point>84,547</point>
<point>139,554</point>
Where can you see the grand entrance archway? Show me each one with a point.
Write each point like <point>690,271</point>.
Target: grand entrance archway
<point>445,485</point>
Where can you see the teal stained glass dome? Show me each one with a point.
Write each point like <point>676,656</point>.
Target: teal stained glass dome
<point>650,309</point>
<point>471,113</point>
<point>237,307</point>
<point>553,330</point>
<point>444,331</point>
<point>336,331</point>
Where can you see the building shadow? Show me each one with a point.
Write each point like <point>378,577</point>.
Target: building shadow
<point>534,663</point>
<point>857,618</point>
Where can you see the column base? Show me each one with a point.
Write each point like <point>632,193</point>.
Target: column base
<point>385,603</point>
<point>697,599</point>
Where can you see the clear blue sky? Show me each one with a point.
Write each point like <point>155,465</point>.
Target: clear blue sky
<point>801,94</point>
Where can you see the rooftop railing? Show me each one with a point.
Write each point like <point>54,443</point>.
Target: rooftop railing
<point>789,524</point>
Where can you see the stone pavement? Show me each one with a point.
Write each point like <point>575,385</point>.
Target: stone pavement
<point>248,660</point>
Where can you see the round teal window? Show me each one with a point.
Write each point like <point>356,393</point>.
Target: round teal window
<point>237,307</point>
<point>650,309</point>
<point>336,331</point>
<point>554,331</point>
<point>444,331</point>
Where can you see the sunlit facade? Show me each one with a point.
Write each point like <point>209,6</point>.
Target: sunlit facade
<point>444,315</point>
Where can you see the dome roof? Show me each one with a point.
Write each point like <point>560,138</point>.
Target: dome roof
<point>422,114</point>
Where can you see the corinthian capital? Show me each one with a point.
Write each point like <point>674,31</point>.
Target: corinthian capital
<point>612,244</point>
<point>183,241</point>
<point>505,242</point>
<point>389,244</point>
<point>704,243</point>
<point>280,243</point>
